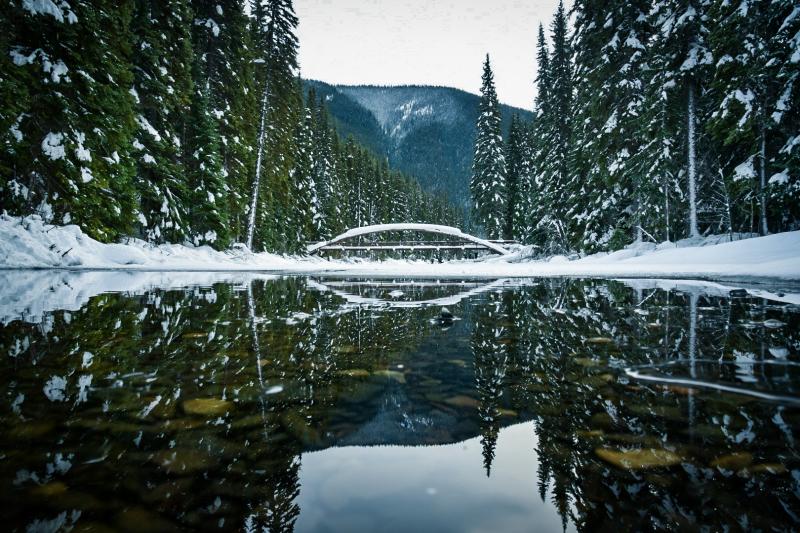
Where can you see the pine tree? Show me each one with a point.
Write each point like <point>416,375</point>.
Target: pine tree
<point>784,184</point>
<point>747,85</point>
<point>681,59</point>
<point>607,190</point>
<point>524,209</point>
<point>488,186</point>
<point>222,44</point>
<point>162,89</point>
<point>514,153</point>
<point>533,209</point>
<point>305,202</point>
<point>274,26</point>
<point>549,195</point>
<point>208,206</point>
<point>555,170</point>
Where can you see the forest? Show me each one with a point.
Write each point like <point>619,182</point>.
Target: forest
<point>182,121</point>
<point>654,120</point>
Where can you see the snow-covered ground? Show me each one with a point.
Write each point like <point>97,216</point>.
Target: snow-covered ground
<point>30,243</point>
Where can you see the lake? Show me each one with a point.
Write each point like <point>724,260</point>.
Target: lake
<point>150,402</point>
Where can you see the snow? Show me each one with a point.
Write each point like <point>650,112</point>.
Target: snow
<point>744,170</point>
<point>53,147</point>
<point>48,7</point>
<point>780,178</point>
<point>29,242</point>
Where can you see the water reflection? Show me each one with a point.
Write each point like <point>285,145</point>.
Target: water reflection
<point>267,404</point>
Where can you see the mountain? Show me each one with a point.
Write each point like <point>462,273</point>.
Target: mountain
<point>425,131</point>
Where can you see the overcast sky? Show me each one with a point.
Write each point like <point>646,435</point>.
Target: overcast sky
<point>425,42</point>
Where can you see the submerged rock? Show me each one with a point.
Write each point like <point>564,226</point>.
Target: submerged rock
<point>763,468</point>
<point>600,340</point>
<point>589,433</point>
<point>346,349</point>
<point>182,461</point>
<point>733,461</point>
<point>207,406</point>
<point>462,401</point>
<point>54,488</point>
<point>391,374</point>
<point>354,373</point>
<point>639,459</point>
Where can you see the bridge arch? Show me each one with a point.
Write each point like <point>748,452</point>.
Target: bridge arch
<point>424,228</point>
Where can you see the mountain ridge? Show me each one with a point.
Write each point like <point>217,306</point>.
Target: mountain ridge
<point>427,131</point>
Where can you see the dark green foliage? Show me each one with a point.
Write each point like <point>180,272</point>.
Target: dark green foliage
<point>66,115</point>
<point>661,120</point>
<point>162,65</point>
<point>208,207</point>
<point>141,118</point>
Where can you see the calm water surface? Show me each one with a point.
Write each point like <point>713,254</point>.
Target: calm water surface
<point>299,404</point>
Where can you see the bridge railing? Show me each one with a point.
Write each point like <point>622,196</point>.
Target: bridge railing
<point>366,240</point>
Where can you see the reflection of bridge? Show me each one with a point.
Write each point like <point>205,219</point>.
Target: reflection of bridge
<point>471,289</point>
<point>459,241</point>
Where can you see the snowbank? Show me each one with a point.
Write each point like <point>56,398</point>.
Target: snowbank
<point>30,243</point>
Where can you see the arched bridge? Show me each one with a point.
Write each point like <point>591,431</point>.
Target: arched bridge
<point>458,240</point>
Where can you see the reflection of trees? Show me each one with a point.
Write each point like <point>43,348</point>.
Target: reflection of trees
<point>542,351</point>
<point>151,353</point>
<point>488,343</point>
<point>569,338</point>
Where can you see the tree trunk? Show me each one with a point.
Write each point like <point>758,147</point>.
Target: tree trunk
<point>691,163</point>
<point>762,179</point>
<point>251,223</point>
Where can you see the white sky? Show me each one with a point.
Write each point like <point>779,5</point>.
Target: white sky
<point>424,42</point>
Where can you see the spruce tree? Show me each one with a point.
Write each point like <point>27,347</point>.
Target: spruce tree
<point>488,183</point>
<point>514,157</point>
<point>208,205</point>
<point>162,89</point>
<point>305,202</point>
<point>555,163</point>
<point>275,41</point>
<point>607,190</point>
<point>533,208</point>
<point>747,86</point>
<point>784,183</point>
<point>222,44</point>
<point>681,60</point>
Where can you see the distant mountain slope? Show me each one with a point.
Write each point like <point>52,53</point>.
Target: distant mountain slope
<point>425,131</point>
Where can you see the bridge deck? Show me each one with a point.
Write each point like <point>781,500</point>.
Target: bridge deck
<point>459,241</point>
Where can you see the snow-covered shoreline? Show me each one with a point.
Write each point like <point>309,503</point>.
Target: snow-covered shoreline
<point>30,243</point>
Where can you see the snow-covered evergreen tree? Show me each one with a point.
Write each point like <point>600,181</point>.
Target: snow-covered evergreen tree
<point>305,210</point>
<point>208,205</point>
<point>275,42</point>
<point>488,183</point>
<point>162,88</point>
<point>515,152</point>
<point>682,59</point>
<point>607,189</point>
<point>222,44</point>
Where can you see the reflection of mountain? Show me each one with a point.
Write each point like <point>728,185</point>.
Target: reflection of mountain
<point>399,421</point>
